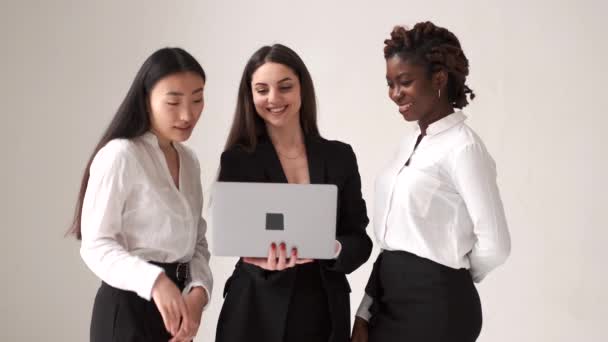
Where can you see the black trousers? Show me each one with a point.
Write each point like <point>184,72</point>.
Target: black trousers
<point>418,300</point>
<point>308,316</point>
<point>123,316</point>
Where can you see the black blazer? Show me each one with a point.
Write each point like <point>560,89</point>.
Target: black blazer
<point>256,300</point>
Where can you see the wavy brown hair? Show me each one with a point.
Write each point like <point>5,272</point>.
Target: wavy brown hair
<point>247,126</point>
<point>437,49</point>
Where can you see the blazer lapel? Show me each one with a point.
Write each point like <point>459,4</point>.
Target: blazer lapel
<point>316,160</point>
<point>274,170</point>
<point>272,165</point>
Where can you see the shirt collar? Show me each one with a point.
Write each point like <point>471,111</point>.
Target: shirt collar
<point>445,123</point>
<point>150,138</point>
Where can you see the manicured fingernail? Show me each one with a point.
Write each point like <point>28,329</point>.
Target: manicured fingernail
<point>273,246</point>
<point>283,246</point>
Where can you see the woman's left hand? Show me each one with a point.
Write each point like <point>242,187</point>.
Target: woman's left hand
<point>195,300</point>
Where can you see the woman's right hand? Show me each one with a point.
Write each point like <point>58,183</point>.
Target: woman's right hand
<point>277,260</point>
<point>170,303</point>
<point>360,330</point>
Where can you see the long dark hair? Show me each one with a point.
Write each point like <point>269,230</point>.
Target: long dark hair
<point>247,125</point>
<point>132,118</point>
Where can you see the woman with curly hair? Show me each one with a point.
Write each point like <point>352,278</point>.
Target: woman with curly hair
<point>438,216</point>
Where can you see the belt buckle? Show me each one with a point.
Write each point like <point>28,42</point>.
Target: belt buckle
<point>182,271</point>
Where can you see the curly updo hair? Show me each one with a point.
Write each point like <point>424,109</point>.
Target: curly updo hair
<point>435,48</point>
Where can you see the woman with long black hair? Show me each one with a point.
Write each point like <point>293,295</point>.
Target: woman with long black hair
<point>138,213</point>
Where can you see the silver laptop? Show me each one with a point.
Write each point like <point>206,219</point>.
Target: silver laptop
<point>247,217</point>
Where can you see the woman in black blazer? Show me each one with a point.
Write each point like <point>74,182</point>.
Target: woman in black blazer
<point>275,139</point>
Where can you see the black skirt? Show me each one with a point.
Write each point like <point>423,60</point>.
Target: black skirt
<point>123,316</point>
<point>418,300</point>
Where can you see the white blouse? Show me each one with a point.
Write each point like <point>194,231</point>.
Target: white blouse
<point>133,213</point>
<point>445,205</point>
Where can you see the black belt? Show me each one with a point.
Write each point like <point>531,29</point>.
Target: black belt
<point>179,272</point>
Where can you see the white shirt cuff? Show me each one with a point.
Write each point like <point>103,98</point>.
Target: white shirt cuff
<point>148,280</point>
<point>363,310</point>
<point>194,284</point>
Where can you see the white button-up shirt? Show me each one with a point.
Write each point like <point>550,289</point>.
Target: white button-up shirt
<point>445,205</point>
<point>133,213</point>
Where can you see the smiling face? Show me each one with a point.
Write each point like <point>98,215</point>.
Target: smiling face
<point>175,104</point>
<point>276,95</point>
<point>411,88</point>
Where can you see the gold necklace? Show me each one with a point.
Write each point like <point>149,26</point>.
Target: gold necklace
<point>288,157</point>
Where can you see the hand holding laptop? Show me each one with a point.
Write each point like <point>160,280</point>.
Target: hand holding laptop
<point>278,261</point>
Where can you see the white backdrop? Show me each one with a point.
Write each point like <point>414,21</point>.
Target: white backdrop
<point>538,71</point>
